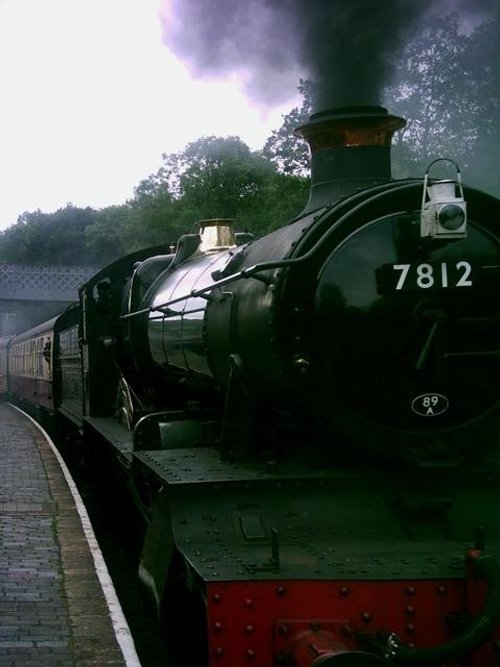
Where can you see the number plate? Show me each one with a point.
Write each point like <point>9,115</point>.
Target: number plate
<point>430,405</point>
<point>425,276</point>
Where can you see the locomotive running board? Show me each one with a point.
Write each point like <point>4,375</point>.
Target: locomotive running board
<point>116,434</point>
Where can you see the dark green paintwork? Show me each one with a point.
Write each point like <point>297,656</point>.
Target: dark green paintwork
<point>330,524</point>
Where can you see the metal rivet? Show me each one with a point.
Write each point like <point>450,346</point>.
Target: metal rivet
<point>344,591</point>
<point>366,616</point>
<point>410,590</point>
<point>410,610</point>
<point>410,628</point>
<point>281,590</point>
<point>442,590</point>
<point>216,597</point>
<point>218,626</point>
<point>219,651</point>
<point>248,602</point>
<point>249,629</point>
<point>250,654</point>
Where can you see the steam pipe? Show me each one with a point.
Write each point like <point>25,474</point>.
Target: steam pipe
<point>480,630</point>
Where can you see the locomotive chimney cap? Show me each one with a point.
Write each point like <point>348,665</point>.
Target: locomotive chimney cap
<point>349,112</point>
<point>350,149</point>
<point>350,126</point>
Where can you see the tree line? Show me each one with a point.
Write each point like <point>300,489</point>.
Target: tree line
<point>447,86</point>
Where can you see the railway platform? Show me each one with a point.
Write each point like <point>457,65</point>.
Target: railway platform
<point>57,603</point>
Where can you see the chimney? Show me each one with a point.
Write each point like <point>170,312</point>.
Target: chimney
<point>350,149</point>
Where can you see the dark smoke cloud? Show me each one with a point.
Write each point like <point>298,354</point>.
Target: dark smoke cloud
<point>346,47</point>
<point>256,38</point>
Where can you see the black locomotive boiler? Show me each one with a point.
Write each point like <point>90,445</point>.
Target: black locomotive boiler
<point>309,421</point>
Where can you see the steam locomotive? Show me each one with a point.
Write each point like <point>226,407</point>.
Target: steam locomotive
<point>308,421</point>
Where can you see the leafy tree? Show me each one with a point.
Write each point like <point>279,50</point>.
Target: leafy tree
<point>153,213</point>
<point>283,198</point>
<point>482,82</point>
<point>212,177</point>
<point>222,178</point>
<point>106,239</point>
<point>283,148</point>
<point>256,194</point>
<point>448,89</point>
<point>48,238</point>
<point>427,94</point>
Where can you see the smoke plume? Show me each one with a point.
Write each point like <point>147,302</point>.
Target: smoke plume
<point>347,47</point>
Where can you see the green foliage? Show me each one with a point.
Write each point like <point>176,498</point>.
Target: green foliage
<point>284,197</point>
<point>153,215</point>
<point>105,240</point>
<point>220,177</point>
<point>429,94</point>
<point>212,177</point>
<point>448,88</point>
<point>482,77</point>
<point>283,148</point>
<point>48,238</point>
<point>217,177</point>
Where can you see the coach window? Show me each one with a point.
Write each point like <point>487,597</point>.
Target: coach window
<point>32,358</point>
<point>46,352</point>
<point>39,356</point>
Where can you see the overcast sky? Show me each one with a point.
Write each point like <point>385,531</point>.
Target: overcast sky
<point>91,98</point>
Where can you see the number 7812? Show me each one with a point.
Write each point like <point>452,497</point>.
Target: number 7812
<point>425,276</point>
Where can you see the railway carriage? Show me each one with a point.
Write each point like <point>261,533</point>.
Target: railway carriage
<point>30,365</point>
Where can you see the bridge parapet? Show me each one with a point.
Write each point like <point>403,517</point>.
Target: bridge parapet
<point>42,283</point>
<point>31,294</point>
